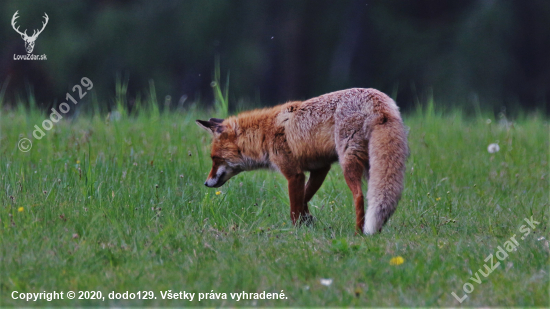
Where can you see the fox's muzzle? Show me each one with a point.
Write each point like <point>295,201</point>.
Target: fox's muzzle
<point>215,182</point>
<point>218,179</point>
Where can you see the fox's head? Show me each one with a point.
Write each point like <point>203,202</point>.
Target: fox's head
<point>227,160</point>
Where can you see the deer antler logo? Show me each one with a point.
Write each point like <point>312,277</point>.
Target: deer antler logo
<point>29,40</point>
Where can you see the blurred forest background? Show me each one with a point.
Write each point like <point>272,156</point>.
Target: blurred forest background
<point>488,53</point>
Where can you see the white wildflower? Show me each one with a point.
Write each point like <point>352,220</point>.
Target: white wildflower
<point>493,148</point>
<point>326,282</point>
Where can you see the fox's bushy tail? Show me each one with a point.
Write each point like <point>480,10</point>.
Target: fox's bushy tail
<point>388,152</point>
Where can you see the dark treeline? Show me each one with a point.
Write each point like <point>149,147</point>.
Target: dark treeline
<point>489,53</point>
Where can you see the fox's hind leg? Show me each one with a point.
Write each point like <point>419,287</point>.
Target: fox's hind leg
<point>354,170</point>
<point>316,178</point>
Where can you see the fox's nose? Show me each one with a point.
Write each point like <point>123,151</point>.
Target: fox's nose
<point>206,183</point>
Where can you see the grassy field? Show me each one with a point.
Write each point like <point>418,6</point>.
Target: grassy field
<point>109,205</point>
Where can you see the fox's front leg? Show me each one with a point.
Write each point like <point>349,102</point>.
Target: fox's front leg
<point>316,178</point>
<point>296,183</point>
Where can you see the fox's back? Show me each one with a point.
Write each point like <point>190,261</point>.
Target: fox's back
<point>314,127</point>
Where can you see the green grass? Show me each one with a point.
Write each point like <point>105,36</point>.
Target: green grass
<point>121,206</point>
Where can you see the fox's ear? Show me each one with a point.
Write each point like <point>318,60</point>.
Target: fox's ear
<point>216,120</point>
<point>207,125</point>
<point>210,125</point>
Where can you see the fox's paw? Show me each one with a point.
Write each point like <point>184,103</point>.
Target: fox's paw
<point>307,219</point>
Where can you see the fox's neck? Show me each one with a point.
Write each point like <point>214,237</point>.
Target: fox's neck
<point>252,140</point>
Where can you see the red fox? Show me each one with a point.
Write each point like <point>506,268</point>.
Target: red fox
<point>360,128</point>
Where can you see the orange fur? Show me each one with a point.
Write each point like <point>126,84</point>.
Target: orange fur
<point>360,128</point>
